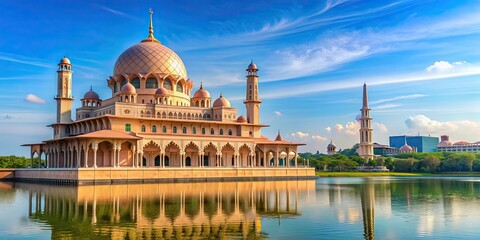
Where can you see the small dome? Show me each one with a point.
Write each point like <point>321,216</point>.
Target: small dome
<point>91,95</point>
<point>65,60</point>
<point>331,145</point>
<point>128,88</point>
<point>201,93</point>
<point>252,66</point>
<point>221,102</point>
<point>406,148</point>
<point>161,91</point>
<point>242,119</point>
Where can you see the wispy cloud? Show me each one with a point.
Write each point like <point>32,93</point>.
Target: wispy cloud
<point>116,12</point>
<point>277,113</point>
<point>34,99</point>
<point>405,97</point>
<point>386,106</point>
<point>23,60</point>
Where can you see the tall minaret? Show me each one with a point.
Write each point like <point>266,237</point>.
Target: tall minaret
<point>252,101</point>
<point>64,91</point>
<point>366,145</point>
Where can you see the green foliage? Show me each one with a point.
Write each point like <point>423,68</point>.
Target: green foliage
<point>17,162</point>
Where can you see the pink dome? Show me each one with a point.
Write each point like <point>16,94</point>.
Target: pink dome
<point>242,119</point>
<point>406,148</point>
<point>252,66</point>
<point>161,91</point>
<point>91,95</point>
<point>201,93</point>
<point>221,102</point>
<point>128,88</point>
<point>65,60</point>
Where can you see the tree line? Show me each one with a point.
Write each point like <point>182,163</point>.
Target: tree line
<point>18,162</point>
<point>435,162</point>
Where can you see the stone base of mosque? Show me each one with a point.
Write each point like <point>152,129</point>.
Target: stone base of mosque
<point>85,176</point>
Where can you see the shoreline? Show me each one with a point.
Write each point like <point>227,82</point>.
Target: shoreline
<point>395,174</point>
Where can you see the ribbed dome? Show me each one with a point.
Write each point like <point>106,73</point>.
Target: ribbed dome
<point>406,148</point>
<point>150,56</point>
<point>201,93</point>
<point>91,95</point>
<point>252,66</point>
<point>242,119</point>
<point>332,145</point>
<point>221,102</point>
<point>161,91</point>
<point>64,60</point>
<point>128,88</point>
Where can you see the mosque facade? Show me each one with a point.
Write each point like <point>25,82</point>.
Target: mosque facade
<point>152,120</point>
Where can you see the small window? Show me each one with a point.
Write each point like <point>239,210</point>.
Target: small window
<point>194,130</point>
<point>174,129</point>
<point>135,82</point>
<point>151,83</point>
<point>212,132</point>
<point>154,128</point>
<point>230,132</point>
<point>164,129</point>
<point>179,87</point>
<point>115,87</point>
<point>184,130</point>
<point>143,128</point>
<point>203,131</point>
<point>221,131</point>
<point>167,84</point>
<point>128,127</point>
<point>124,81</point>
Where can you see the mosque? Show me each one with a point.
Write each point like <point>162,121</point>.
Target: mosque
<point>151,120</point>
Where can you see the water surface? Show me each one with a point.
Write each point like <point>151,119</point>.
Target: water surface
<point>326,208</point>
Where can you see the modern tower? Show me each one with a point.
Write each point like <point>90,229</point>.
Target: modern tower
<point>252,101</point>
<point>365,149</point>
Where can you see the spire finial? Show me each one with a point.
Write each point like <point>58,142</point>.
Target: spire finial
<point>365,96</point>
<point>91,88</point>
<point>201,85</point>
<point>221,95</point>
<point>150,37</point>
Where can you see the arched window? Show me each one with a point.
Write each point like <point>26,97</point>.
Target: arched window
<point>143,128</point>
<point>151,83</point>
<point>221,131</point>
<point>184,130</point>
<point>230,132</point>
<point>203,131</point>
<point>115,87</point>
<point>154,128</point>
<point>179,87</point>
<point>194,130</point>
<point>167,84</point>
<point>174,129</point>
<point>124,81</point>
<point>164,129</point>
<point>135,82</point>
<point>212,131</point>
<point>128,127</point>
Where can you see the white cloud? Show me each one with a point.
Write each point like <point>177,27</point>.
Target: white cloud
<point>319,138</point>
<point>278,114</point>
<point>380,127</point>
<point>299,135</point>
<point>386,106</point>
<point>457,130</point>
<point>443,66</point>
<point>34,99</point>
<point>328,129</point>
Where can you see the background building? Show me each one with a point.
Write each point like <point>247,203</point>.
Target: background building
<point>446,146</point>
<point>421,143</point>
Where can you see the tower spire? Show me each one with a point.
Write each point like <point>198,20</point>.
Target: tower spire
<point>365,96</point>
<point>150,37</point>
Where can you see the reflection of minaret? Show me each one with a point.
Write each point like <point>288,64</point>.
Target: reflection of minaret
<point>367,195</point>
<point>365,149</point>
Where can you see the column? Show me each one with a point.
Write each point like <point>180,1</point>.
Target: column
<point>65,158</point>
<point>264,159</point>
<point>133,155</point>
<point>118,156</point>
<point>183,159</point>
<point>201,159</point>
<point>308,162</point>
<point>95,148</point>
<point>276,159</point>
<point>79,155</point>
<point>296,156</point>
<point>85,157</point>
<point>162,158</point>
<point>141,159</point>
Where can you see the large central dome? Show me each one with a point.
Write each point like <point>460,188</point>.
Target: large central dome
<point>150,56</point>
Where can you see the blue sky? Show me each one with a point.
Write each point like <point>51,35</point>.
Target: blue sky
<point>420,59</point>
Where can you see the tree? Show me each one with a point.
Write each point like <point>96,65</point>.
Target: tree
<point>430,163</point>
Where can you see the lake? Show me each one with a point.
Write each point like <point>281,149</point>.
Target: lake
<point>326,208</point>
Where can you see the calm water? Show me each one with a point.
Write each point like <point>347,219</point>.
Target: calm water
<point>327,208</point>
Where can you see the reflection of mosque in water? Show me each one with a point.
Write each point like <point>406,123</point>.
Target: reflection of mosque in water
<point>176,210</point>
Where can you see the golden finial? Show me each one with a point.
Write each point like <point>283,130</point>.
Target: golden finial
<point>150,37</point>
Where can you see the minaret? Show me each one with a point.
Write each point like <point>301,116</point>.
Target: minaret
<point>366,145</point>
<point>64,91</point>
<point>331,148</point>
<point>252,101</point>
